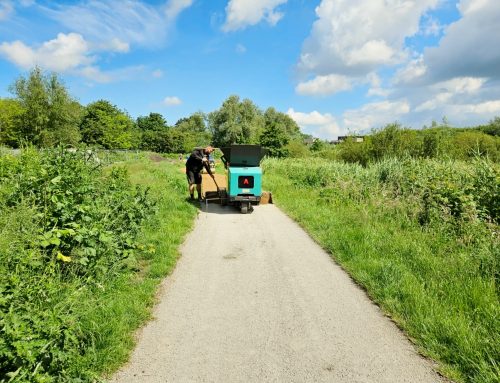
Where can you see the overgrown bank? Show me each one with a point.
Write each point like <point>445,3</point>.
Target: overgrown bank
<point>82,249</point>
<point>421,236</point>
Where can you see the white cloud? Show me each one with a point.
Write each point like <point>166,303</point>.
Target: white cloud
<point>470,45</point>
<point>319,125</point>
<point>324,85</point>
<point>174,7</point>
<point>129,22</point>
<point>488,107</point>
<point>243,13</point>
<point>413,70</point>
<point>374,115</point>
<point>172,101</point>
<point>69,54</point>
<point>356,37</point>
<point>461,85</point>
<point>60,54</point>
<point>6,9</point>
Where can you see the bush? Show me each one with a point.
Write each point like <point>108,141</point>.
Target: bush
<point>66,227</point>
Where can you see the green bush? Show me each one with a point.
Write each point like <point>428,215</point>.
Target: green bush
<point>66,228</point>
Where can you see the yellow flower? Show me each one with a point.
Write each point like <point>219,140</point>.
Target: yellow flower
<point>62,257</point>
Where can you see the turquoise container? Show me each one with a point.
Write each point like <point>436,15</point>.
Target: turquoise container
<point>244,181</point>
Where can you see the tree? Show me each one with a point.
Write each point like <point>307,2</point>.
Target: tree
<point>194,131</point>
<point>105,125</point>
<point>50,115</point>
<point>275,139</point>
<point>236,122</point>
<point>154,122</point>
<point>272,116</point>
<point>10,114</point>
<point>192,124</point>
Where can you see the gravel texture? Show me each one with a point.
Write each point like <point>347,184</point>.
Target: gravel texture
<point>255,299</point>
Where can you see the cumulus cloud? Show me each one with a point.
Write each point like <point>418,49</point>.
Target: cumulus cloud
<point>373,115</point>
<point>317,124</point>
<point>60,54</point>
<point>172,101</point>
<point>67,53</point>
<point>243,13</point>
<point>323,85</point>
<point>355,37</point>
<point>470,45</point>
<point>413,70</point>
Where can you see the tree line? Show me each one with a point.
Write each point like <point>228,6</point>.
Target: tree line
<point>44,114</point>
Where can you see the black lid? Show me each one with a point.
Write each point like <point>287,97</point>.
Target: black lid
<point>244,155</point>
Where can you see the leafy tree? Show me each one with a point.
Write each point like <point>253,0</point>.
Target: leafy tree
<point>194,131</point>
<point>236,122</point>
<point>50,115</point>
<point>275,138</point>
<point>272,116</point>
<point>154,122</point>
<point>192,124</point>
<point>105,125</point>
<point>318,145</point>
<point>10,113</point>
<point>153,130</point>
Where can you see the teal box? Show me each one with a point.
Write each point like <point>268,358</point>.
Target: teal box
<point>244,181</point>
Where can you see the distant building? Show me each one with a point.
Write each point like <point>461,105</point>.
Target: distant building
<point>344,138</point>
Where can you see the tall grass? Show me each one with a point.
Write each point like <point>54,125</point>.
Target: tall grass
<point>421,236</point>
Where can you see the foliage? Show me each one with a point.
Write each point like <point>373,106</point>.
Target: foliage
<point>297,149</point>
<point>10,114</point>
<point>236,122</point>
<point>493,128</point>
<point>421,235</point>
<point>105,125</point>
<point>67,229</point>
<point>290,127</point>
<point>50,116</point>
<point>193,131</point>
<point>394,141</point>
<point>275,139</point>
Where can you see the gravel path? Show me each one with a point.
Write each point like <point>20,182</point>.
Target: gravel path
<point>254,299</point>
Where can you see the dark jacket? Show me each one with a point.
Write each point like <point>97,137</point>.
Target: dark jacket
<point>195,161</point>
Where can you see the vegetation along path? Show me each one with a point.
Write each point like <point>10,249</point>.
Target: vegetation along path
<point>254,299</point>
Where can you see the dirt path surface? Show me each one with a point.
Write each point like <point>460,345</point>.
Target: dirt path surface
<point>254,299</point>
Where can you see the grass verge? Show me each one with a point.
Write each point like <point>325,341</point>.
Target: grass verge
<point>437,278</point>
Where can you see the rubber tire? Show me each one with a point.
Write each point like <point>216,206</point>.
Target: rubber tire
<point>244,209</point>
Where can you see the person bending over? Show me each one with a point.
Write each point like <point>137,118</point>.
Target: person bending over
<point>194,165</point>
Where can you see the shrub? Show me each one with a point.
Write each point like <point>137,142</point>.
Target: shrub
<point>66,226</point>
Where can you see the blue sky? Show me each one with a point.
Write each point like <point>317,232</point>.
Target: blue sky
<point>335,66</point>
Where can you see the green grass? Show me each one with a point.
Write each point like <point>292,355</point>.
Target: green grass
<point>438,281</point>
